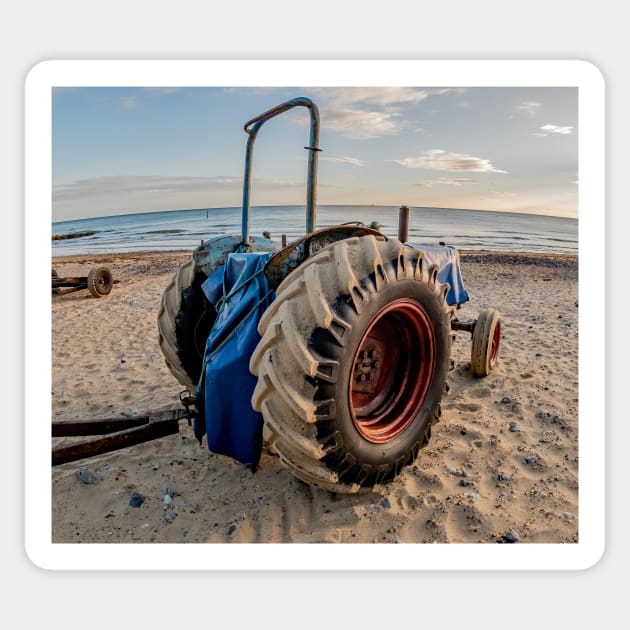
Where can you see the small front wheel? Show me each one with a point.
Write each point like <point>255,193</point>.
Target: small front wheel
<point>485,342</point>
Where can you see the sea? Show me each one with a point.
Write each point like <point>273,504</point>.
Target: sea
<point>184,229</point>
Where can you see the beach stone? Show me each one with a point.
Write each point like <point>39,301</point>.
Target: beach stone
<point>509,537</point>
<point>539,354</point>
<point>85,475</point>
<point>506,400</point>
<point>530,459</point>
<point>136,499</point>
<point>369,507</point>
<point>513,427</point>
<point>231,529</point>
<point>127,414</point>
<point>386,503</point>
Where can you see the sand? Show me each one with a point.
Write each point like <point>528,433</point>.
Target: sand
<point>501,466</point>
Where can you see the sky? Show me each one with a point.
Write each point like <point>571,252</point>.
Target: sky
<point>122,150</point>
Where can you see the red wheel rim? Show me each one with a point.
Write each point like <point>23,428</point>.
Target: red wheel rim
<point>494,347</point>
<point>391,371</point>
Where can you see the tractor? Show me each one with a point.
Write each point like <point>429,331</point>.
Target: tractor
<point>332,350</point>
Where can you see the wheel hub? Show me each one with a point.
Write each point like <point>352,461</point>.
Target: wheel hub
<point>367,367</point>
<point>392,370</point>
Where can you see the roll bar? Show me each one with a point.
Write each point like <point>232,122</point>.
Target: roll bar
<point>251,128</point>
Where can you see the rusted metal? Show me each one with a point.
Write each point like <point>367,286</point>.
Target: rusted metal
<point>392,371</point>
<point>212,253</point>
<point>118,433</point>
<point>403,224</point>
<point>251,128</point>
<point>70,284</point>
<point>69,281</point>
<point>282,263</point>
<point>466,326</point>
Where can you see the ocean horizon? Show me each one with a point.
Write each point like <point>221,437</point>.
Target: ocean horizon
<point>170,230</point>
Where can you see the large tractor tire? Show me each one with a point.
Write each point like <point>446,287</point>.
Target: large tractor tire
<point>485,342</point>
<point>184,323</point>
<point>352,363</point>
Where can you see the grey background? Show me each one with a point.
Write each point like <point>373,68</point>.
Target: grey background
<point>35,31</point>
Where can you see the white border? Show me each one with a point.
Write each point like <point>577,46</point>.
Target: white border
<point>38,218</point>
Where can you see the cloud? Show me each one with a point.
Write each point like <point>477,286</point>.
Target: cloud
<point>130,185</point>
<point>557,129</point>
<point>528,107</point>
<point>343,160</point>
<point>361,124</point>
<point>440,160</point>
<point>370,112</point>
<point>445,181</point>
<point>503,194</point>
<point>379,96</point>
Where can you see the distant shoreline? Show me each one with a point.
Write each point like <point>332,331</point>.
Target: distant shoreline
<point>467,255</point>
<point>297,206</point>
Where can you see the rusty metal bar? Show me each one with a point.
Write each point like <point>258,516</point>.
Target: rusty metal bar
<point>123,432</point>
<point>251,128</point>
<point>74,283</point>
<point>69,281</point>
<point>96,426</point>
<point>403,224</point>
<point>467,326</point>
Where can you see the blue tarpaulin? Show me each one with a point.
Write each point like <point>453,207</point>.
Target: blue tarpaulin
<point>240,293</point>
